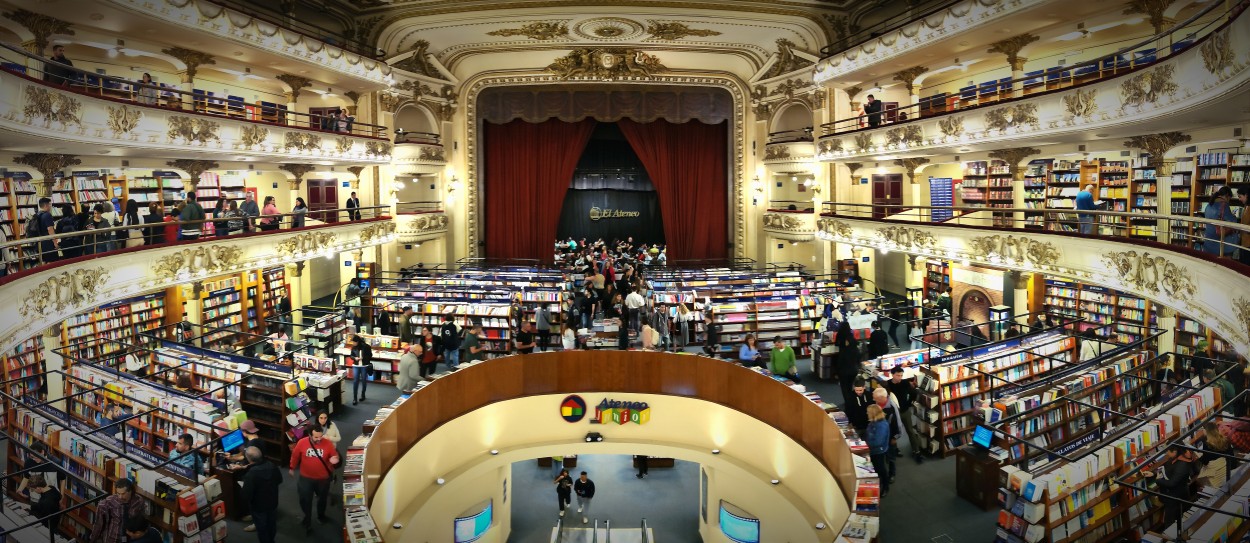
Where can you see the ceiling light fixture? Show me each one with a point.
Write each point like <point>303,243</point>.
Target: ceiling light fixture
<point>329,93</point>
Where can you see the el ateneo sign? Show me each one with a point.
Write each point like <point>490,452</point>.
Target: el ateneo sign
<point>596,213</point>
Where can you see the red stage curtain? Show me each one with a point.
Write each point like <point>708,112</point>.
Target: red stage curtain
<point>528,169</point>
<point>687,164</point>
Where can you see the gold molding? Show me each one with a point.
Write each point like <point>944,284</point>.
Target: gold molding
<point>419,62</point>
<point>301,141</point>
<point>62,291</point>
<point>829,146</point>
<point>251,135</point>
<point>1013,155</point>
<point>776,152</point>
<point>342,144</point>
<point>1218,56</point>
<point>908,77</point>
<point>863,140</point>
<point>1017,249</point>
<point>425,223</point>
<point>122,120</point>
<point>193,168</point>
<point>541,31</point>
<point>295,82</point>
<point>1152,274</point>
<point>377,148</point>
<point>390,102</point>
<point>297,170</point>
<point>379,230</point>
<point>192,130</point>
<point>672,30</point>
<point>606,63</point>
<point>1155,10</point>
<point>786,61</point>
<point>1241,308</point>
<point>47,165</point>
<point>197,260</point>
<point>356,173</point>
<point>952,126</point>
<point>306,243</point>
<point>431,153</point>
<point>51,106</point>
<point>1012,47</point>
<point>1080,104</point>
<point>1157,145</point>
<point>909,166</point>
<point>907,238</point>
<point>1012,116</point>
<point>789,222</point>
<point>1148,87</point>
<point>834,227</point>
<point>909,134</point>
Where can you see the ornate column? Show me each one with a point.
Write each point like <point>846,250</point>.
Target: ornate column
<point>1152,9</point>
<point>1165,319</point>
<point>1018,298</point>
<point>355,98</point>
<point>48,166</point>
<point>193,168</point>
<point>913,277</point>
<point>299,171</point>
<point>909,167</point>
<point>296,83</point>
<point>1012,47</point>
<point>1157,145</point>
<point>908,77</point>
<point>1013,157</point>
<point>193,60</point>
<point>300,293</point>
<point>193,308</point>
<point>356,172</point>
<point>851,93</point>
<point>54,362</point>
<point>42,27</point>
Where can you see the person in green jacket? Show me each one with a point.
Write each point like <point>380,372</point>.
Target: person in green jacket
<point>191,213</point>
<point>781,360</point>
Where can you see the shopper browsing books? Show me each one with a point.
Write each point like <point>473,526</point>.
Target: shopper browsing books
<point>878,439</point>
<point>115,511</point>
<point>881,399</point>
<point>904,391</point>
<point>857,405</point>
<point>331,429</point>
<point>316,459</point>
<point>410,370</point>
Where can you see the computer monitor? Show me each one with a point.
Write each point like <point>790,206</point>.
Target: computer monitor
<point>983,436</point>
<point>736,525</point>
<point>364,283</point>
<point>232,440</point>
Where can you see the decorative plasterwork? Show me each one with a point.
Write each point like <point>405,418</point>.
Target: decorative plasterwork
<point>1013,249</point>
<point>377,148</point>
<point>1149,87</point>
<point>192,59</point>
<point>1218,56</point>
<point>609,29</point>
<point>909,134</point>
<point>298,171</point>
<point>1157,145</point>
<point>198,260</point>
<point>431,153</point>
<point>420,227</point>
<point>1151,273</point>
<point>908,77</point>
<point>66,289</point>
<point>193,168</point>
<point>1241,308</point>
<point>41,26</point>
<point>123,119</point>
<point>829,146</point>
<point>606,64</point>
<point>306,243</point>
<point>790,222</point>
<point>671,31</point>
<point>419,62</point>
<point>390,102</point>
<point>863,141</point>
<point>1014,156</point>
<point>49,105</point>
<point>738,196</point>
<point>48,165</point>
<point>251,135</point>
<point>379,231</point>
<point>1012,116</point>
<point>342,144</point>
<point>1080,104</point>
<point>952,126</point>
<point>1155,10</point>
<point>541,31</point>
<point>786,60</point>
<point>906,237</point>
<point>834,227</point>
<point>909,166</point>
<point>776,152</point>
<point>301,141</point>
<point>192,130</point>
<point>295,82</point>
<point>204,17</point>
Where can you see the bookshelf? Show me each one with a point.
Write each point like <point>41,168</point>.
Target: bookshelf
<point>1182,192</point>
<point>386,353</point>
<point>1062,502</point>
<point>1061,189</point>
<point>936,279</point>
<point>1113,189</point>
<point>952,387</point>
<point>325,333</point>
<point>999,193</point>
<point>1111,311</point>
<point>1144,198</point>
<point>222,303</point>
<point>24,367</point>
<point>263,398</point>
<point>1035,175</point>
<point>21,203</point>
<point>974,190</point>
<point>273,282</point>
<point>90,188</point>
<point>119,321</point>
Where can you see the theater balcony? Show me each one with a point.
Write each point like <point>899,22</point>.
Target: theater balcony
<point>416,222</point>
<point>42,295</point>
<point>1171,269</point>
<point>1180,79</point>
<point>91,114</point>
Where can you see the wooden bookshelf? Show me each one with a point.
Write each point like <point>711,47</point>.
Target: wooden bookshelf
<point>953,387</point>
<point>264,400</point>
<point>1112,189</point>
<point>999,193</point>
<point>1062,187</point>
<point>1035,176</point>
<point>937,278</point>
<point>974,190</point>
<point>24,367</point>
<point>120,321</point>
<point>1143,198</point>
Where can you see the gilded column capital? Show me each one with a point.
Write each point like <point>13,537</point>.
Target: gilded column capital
<point>1012,47</point>
<point>908,77</point>
<point>47,165</point>
<point>297,170</point>
<point>296,83</point>
<point>1152,9</point>
<point>41,26</point>
<point>1157,145</point>
<point>909,166</point>
<point>193,59</point>
<point>1013,156</point>
<point>193,168</point>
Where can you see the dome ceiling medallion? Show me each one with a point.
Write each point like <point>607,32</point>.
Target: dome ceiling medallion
<point>608,29</point>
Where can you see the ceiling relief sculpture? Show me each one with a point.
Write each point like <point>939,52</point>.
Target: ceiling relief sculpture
<point>1149,87</point>
<point>52,107</point>
<point>419,63</point>
<point>609,29</point>
<point>606,64</point>
<point>541,31</point>
<point>675,31</point>
<point>64,290</point>
<point>787,60</point>
<point>1151,273</point>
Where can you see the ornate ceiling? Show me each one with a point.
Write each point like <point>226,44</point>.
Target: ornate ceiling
<point>743,35</point>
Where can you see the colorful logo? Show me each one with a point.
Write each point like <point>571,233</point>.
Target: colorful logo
<point>573,409</point>
<point>616,412</point>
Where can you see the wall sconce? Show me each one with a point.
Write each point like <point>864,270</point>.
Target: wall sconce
<point>452,187</point>
<point>759,190</point>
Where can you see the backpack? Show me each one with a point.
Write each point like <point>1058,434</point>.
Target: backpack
<point>34,226</point>
<point>451,336</point>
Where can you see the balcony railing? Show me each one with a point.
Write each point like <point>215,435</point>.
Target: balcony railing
<point>404,208</point>
<point>1214,238</point>
<point>25,256</point>
<point>55,75</point>
<point>424,138</point>
<point>791,206</point>
<point>791,136</point>
<point>1140,55</point>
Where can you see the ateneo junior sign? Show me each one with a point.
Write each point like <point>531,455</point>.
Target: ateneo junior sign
<point>596,213</point>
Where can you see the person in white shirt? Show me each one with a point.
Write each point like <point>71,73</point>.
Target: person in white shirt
<point>634,302</point>
<point>568,338</point>
<point>331,430</point>
<point>136,364</point>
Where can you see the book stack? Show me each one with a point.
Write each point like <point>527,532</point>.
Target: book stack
<point>202,514</point>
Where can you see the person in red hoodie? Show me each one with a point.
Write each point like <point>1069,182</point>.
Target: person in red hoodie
<point>316,458</point>
<point>171,225</point>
